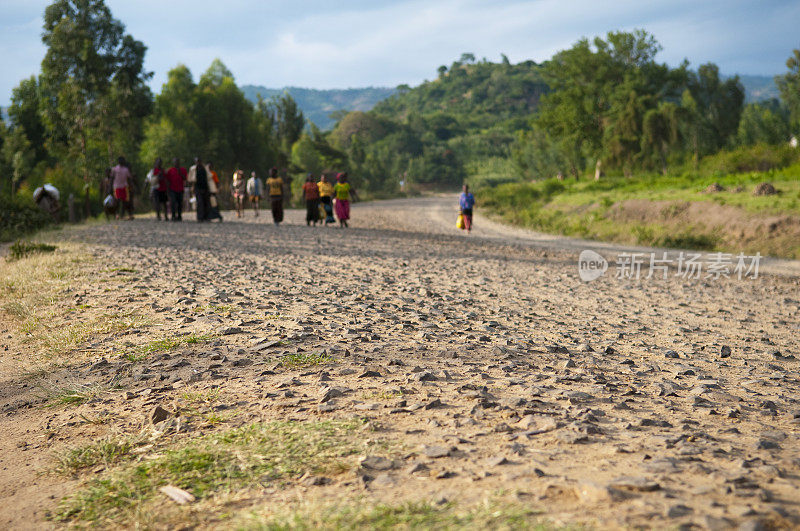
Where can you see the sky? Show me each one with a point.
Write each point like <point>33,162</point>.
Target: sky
<point>356,43</point>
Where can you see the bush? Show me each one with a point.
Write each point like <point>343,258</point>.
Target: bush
<point>20,216</point>
<point>757,158</point>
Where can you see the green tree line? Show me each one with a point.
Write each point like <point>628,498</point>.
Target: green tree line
<point>604,105</point>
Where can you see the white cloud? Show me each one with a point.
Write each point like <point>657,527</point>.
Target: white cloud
<point>366,42</point>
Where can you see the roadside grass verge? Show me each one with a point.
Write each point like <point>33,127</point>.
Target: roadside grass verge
<point>602,210</point>
<point>409,515</point>
<point>214,465</point>
<point>36,294</point>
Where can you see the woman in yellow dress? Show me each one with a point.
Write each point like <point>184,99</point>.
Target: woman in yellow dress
<point>325,197</point>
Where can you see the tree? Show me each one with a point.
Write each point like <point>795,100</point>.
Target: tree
<point>716,109</point>
<point>19,156</point>
<point>763,122</point>
<point>91,68</point>
<point>593,85</point>
<point>25,113</point>
<point>306,157</point>
<point>211,119</point>
<point>289,123</point>
<point>661,135</point>
<point>789,86</point>
<point>467,58</point>
<point>172,130</point>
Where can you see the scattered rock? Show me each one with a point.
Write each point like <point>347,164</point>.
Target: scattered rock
<point>315,481</point>
<point>590,492</point>
<point>159,414</point>
<point>496,461</point>
<point>635,484</point>
<point>179,496</point>
<point>375,462</point>
<point>437,451</point>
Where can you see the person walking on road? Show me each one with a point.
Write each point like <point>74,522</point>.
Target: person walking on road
<point>342,190</point>
<point>326,198</point>
<point>199,179</point>
<point>466,202</point>
<point>311,196</point>
<point>123,188</point>
<point>157,179</point>
<point>275,187</point>
<point>213,189</point>
<point>176,182</point>
<point>238,191</point>
<point>254,190</point>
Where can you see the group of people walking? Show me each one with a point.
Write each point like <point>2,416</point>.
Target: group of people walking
<point>168,190</point>
<point>317,196</point>
<point>322,198</point>
<point>175,189</point>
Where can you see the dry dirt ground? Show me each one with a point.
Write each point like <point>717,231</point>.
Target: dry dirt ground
<point>489,385</point>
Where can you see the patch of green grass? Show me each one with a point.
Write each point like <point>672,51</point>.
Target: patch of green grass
<point>193,339</point>
<point>201,397</point>
<point>122,270</point>
<point>105,451</point>
<point>383,395</point>
<point>411,515</point>
<point>22,249</point>
<point>78,393</point>
<point>302,359</point>
<point>165,345</point>
<point>224,462</point>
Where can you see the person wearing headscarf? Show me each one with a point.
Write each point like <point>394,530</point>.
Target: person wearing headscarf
<point>342,190</point>
<point>311,196</point>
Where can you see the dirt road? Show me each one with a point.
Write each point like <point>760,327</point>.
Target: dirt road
<point>485,370</point>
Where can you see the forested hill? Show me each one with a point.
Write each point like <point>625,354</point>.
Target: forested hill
<point>478,94</point>
<point>317,105</point>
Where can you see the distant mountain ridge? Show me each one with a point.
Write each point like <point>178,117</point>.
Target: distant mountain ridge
<point>318,104</point>
<point>759,88</point>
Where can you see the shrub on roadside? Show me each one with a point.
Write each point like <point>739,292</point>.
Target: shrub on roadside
<point>20,216</point>
<point>757,158</point>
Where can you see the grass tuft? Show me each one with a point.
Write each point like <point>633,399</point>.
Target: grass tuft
<point>302,359</point>
<point>21,249</point>
<point>78,393</point>
<point>106,451</point>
